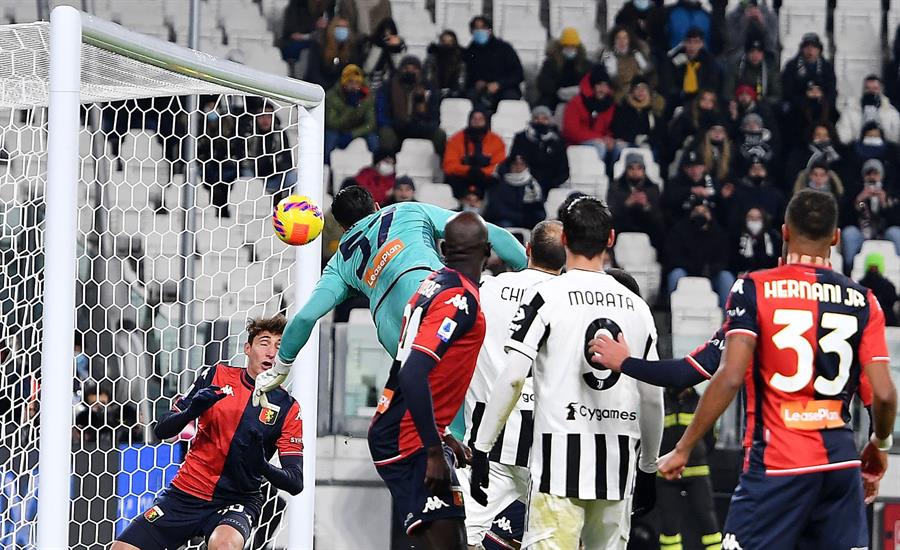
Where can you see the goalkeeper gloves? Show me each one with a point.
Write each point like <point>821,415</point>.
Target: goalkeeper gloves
<point>205,399</point>
<point>644,493</point>
<point>480,475</point>
<point>269,380</point>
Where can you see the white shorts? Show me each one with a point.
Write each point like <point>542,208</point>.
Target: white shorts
<point>506,485</point>
<point>559,523</point>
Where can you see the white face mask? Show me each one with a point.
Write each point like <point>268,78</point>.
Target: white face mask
<point>517,178</point>
<point>385,168</point>
<point>873,141</point>
<point>755,227</point>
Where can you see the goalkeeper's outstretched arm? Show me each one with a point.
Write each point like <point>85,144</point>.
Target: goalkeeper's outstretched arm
<point>505,244</point>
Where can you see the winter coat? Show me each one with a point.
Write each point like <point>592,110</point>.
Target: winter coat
<point>649,25</point>
<point>677,197</point>
<point>445,69</point>
<point>496,61</point>
<point>580,124</point>
<point>751,253</point>
<point>738,27</point>
<point>545,155</point>
<point>797,75</point>
<point>709,75</point>
<point>702,253</point>
<point>380,186</point>
<point>408,109</point>
<point>850,124</point>
<point>519,204</point>
<point>343,117</point>
<point>558,72</point>
<point>885,293</point>
<point>639,125</point>
<point>460,147</point>
<point>763,77</point>
<point>623,67</point>
<point>636,218</point>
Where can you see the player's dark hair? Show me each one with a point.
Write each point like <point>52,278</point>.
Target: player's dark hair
<point>624,278</point>
<point>274,325</point>
<point>587,223</point>
<point>565,204</point>
<point>547,250</point>
<point>352,204</point>
<point>812,214</point>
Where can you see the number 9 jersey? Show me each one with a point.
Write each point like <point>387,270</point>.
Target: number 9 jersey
<point>815,329</point>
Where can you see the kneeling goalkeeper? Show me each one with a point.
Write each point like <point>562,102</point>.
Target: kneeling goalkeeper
<point>217,491</point>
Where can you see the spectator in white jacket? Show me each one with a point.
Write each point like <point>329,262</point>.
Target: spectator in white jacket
<point>873,105</point>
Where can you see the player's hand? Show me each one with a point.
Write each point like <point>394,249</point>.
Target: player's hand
<point>672,464</point>
<point>608,352</point>
<point>870,491</point>
<point>462,453</point>
<point>205,399</point>
<point>255,453</point>
<point>480,477</point>
<point>644,494</point>
<point>437,471</point>
<point>874,462</point>
<point>268,380</point>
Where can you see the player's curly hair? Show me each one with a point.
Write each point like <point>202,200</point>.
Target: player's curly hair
<point>274,325</point>
<point>812,214</point>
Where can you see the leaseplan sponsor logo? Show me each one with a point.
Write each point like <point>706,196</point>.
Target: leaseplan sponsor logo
<point>812,415</point>
<point>387,253</point>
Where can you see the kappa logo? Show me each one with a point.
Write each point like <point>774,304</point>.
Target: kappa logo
<point>268,416</point>
<point>153,514</point>
<point>459,302</point>
<point>738,287</point>
<point>730,542</point>
<point>504,524</point>
<point>228,390</point>
<point>433,504</point>
<point>736,312</point>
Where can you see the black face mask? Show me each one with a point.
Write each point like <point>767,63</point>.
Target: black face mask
<point>824,144</point>
<point>699,221</point>
<point>541,129</point>
<point>871,100</point>
<point>756,180</point>
<point>408,77</point>
<point>476,132</point>
<point>706,118</point>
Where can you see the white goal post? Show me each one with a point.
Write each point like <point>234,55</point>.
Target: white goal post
<point>91,61</point>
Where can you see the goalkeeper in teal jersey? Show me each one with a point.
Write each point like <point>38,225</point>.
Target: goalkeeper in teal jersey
<point>384,255</point>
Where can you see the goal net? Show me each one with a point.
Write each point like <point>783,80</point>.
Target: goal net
<point>180,158</point>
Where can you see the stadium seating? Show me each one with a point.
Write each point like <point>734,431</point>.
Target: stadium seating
<point>455,15</point>
<point>418,160</point>
<point>580,14</point>
<point>651,167</point>
<point>587,173</point>
<point>519,23</point>
<point>346,163</point>
<point>634,253</point>
<point>439,194</point>
<point>414,25</point>
<point>695,310</point>
<point>455,114</point>
<point>512,117</point>
<point>796,18</point>
<point>891,261</point>
<point>555,198</point>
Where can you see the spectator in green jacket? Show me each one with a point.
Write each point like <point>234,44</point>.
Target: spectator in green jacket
<point>349,112</point>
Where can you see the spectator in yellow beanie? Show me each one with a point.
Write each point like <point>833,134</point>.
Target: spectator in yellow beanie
<point>349,112</point>
<point>563,68</point>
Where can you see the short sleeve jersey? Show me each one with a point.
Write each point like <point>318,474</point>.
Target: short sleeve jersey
<point>443,320</point>
<point>815,330</point>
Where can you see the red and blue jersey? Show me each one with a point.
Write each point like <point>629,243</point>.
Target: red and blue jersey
<point>443,319</point>
<point>214,467</point>
<point>815,330</point>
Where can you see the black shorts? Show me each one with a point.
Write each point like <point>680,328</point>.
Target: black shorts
<point>416,505</point>
<point>507,529</point>
<point>176,517</point>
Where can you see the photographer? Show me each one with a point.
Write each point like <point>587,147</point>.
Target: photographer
<point>408,107</point>
<point>472,155</point>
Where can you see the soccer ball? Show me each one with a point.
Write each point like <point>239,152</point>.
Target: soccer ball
<point>297,220</point>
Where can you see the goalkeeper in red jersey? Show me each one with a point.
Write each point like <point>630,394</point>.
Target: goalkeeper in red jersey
<point>217,491</point>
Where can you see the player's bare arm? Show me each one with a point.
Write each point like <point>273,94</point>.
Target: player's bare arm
<point>722,388</point>
<point>884,411</point>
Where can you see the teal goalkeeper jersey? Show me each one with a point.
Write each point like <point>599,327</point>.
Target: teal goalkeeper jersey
<point>384,257</point>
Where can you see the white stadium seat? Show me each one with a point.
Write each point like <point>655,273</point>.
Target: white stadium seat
<point>857,27</point>
<point>651,167</point>
<point>454,114</point>
<point>346,163</point>
<point>796,18</point>
<point>438,194</point>
<point>580,14</point>
<point>695,309</point>
<point>555,197</point>
<point>587,173</point>
<point>418,160</point>
<point>455,15</point>
<point>635,254</point>
<point>891,261</point>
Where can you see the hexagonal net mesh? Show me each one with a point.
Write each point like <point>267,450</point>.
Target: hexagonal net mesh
<point>155,302</point>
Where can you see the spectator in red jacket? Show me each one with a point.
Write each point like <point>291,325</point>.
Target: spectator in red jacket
<point>588,116</point>
<point>379,178</point>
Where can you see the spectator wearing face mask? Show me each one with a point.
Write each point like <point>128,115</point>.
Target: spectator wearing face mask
<point>379,178</point>
<point>871,211</point>
<point>543,150</point>
<point>563,68</point>
<point>882,288</point>
<point>809,86</point>
<point>715,148</point>
<point>638,118</point>
<point>588,116</point>
<point>698,247</point>
<point>753,142</point>
<point>753,190</point>
<point>408,107</point>
<point>341,47</point>
<point>516,200</point>
<point>821,140</point>
<point>818,176</point>
<point>634,201</point>
<point>745,103</point>
<point>872,106</point>
<point>386,48</point>
<point>751,19</point>
<point>758,245</point>
<point>625,58</point>
<point>445,66</point>
<point>304,20</point>
<point>493,69</point>
<point>690,67</point>
<point>872,145</point>
<point>471,199</point>
<point>349,112</point>
<point>693,184</point>
<point>646,19</point>
<point>697,116</point>
<point>756,70</point>
<point>472,155</point>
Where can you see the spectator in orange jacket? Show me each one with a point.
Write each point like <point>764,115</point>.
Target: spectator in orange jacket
<point>472,155</point>
<point>588,116</point>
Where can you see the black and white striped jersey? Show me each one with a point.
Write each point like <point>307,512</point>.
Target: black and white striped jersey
<point>500,299</point>
<point>589,423</point>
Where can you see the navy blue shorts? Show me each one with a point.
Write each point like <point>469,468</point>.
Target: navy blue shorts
<point>507,529</point>
<point>416,504</point>
<point>176,517</point>
<point>807,511</point>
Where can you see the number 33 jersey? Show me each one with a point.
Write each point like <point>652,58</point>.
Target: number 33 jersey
<point>815,330</point>
<point>587,425</point>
